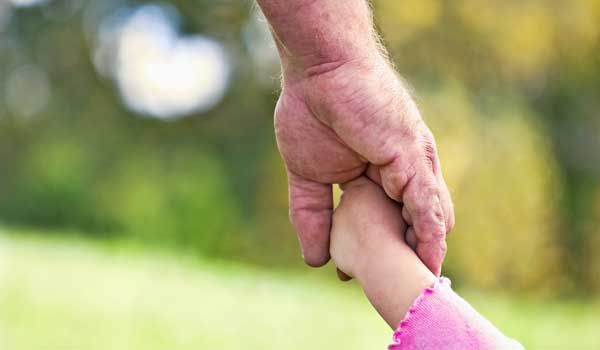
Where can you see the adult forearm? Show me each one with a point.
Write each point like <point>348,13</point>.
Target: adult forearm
<point>316,35</point>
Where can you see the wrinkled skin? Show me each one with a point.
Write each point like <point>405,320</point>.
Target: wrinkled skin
<point>337,121</point>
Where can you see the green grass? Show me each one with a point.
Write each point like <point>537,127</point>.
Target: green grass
<point>67,294</point>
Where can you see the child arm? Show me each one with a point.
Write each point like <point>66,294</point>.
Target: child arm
<point>367,243</point>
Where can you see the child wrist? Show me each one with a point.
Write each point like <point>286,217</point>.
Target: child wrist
<point>362,268</point>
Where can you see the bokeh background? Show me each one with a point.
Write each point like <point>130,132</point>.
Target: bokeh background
<point>143,203</point>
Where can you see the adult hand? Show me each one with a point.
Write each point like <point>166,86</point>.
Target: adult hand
<point>344,110</point>
<point>331,125</point>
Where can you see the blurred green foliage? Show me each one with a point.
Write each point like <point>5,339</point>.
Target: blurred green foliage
<point>510,89</point>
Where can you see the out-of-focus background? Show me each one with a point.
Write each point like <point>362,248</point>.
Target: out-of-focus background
<point>143,203</point>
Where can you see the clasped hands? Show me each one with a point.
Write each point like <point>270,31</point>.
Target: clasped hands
<point>336,121</point>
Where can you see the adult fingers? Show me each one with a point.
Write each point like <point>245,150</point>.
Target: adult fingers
<point>416,185</point>
<point>422,200</point>
<point>311,207</point>
<point>446,202</point>
<point>432,156</point>
<point>432,254</point>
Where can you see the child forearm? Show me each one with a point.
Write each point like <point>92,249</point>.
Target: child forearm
<point>423,309</point>
<point>392,278</point>
<point>367,242</point>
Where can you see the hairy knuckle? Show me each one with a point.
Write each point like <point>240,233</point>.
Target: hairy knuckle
<point>431,188</point>
<point>429,154</point>
<point>428,148</point>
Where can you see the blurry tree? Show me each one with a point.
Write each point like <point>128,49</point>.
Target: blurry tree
<point>183,200</point>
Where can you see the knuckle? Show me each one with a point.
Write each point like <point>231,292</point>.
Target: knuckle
<point>439,235</point>
<point>443,248</point>
<point>438,215</point>
<point>424,199</point>
<point>431,228</point>
<point>426,133</point>
<point>428,148</point>
<point>395,183</point>
<point>430,188</point>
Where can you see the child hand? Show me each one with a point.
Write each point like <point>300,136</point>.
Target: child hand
<point>367,243</point>
<point>365,221</point>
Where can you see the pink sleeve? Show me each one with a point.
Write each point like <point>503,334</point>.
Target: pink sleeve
<point>440,319</point>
